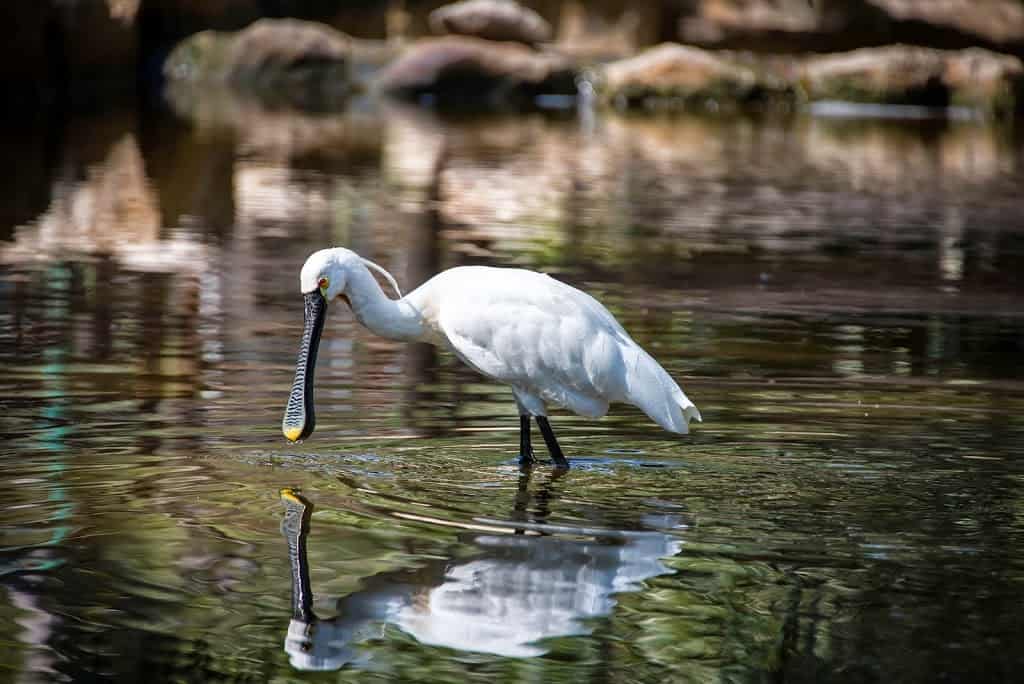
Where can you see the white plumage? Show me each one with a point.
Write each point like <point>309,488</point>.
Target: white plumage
<point>552,343</point>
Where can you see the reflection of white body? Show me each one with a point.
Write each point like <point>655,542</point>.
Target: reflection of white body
<point>520,590</point>
<point>537,587</point>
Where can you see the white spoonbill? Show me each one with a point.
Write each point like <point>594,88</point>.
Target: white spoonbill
<point>552,343</point>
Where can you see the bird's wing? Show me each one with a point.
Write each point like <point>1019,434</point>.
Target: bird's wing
<point>538,335</point>
<point>552,341</point>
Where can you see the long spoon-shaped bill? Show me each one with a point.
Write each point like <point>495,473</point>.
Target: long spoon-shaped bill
<point>299,419</point>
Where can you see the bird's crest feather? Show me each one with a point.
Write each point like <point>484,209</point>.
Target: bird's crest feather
<point>383,271</point>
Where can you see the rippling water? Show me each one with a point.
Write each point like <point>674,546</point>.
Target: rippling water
<point>842,299</point>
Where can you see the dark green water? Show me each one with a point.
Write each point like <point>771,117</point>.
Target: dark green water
<point>842,300</point>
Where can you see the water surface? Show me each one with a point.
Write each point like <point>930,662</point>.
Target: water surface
<point>840,297</point>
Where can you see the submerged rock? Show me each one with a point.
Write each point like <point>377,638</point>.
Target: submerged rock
<point>901,74</point>
<point>676,72</point>
<point>464,69</point>
<point>501,20</point>
<point>301,62</point>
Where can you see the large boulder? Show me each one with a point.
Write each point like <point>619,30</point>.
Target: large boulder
<point>987,80</point>
<point>890,75</point>
<point>831,25</point>
<point>471,70</point>
<point>688,74</point>
<point>901,74</point>
<point>999,22</point>
<point>501,20</point>
<point>301,62</point>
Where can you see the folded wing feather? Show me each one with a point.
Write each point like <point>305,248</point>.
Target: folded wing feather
<point>551,340</point>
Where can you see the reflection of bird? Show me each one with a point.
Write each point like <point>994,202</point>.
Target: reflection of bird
<point>516,591</point>
<point>551,342</point>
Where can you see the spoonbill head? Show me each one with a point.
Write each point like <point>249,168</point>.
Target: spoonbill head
<point>551,343</point>
<point>325,277</point>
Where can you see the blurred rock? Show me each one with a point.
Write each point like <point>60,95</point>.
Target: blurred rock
<point>987,80</point>
<point>470,70</point>
<point>830,25</point>
<point>502,20</point>
<point>306,64</point>
<point>688,74</point>
<point>902,74</point>
<point>998,21</point>
<point>586,35</point>
<point>716,20</point>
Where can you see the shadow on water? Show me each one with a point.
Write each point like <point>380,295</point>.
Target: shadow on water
<point>840,297</point>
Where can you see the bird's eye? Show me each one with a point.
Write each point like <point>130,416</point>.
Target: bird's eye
<point>323,283</point>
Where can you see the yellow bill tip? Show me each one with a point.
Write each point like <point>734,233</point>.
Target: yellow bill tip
<point>292,433</point>
<point>289,494</point>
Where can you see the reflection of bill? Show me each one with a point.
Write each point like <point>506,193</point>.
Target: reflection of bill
<point>517,590</point>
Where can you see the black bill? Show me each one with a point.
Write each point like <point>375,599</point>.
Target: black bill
<point>299,419</point>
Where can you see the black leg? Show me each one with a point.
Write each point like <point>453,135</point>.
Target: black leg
<point>520,511</point>
<point>525,450</point>
<point>549,439</point>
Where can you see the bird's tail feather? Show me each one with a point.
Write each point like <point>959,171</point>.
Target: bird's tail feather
<point>654,392</point>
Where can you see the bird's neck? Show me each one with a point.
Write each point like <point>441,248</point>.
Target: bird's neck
<point>395,319</point>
